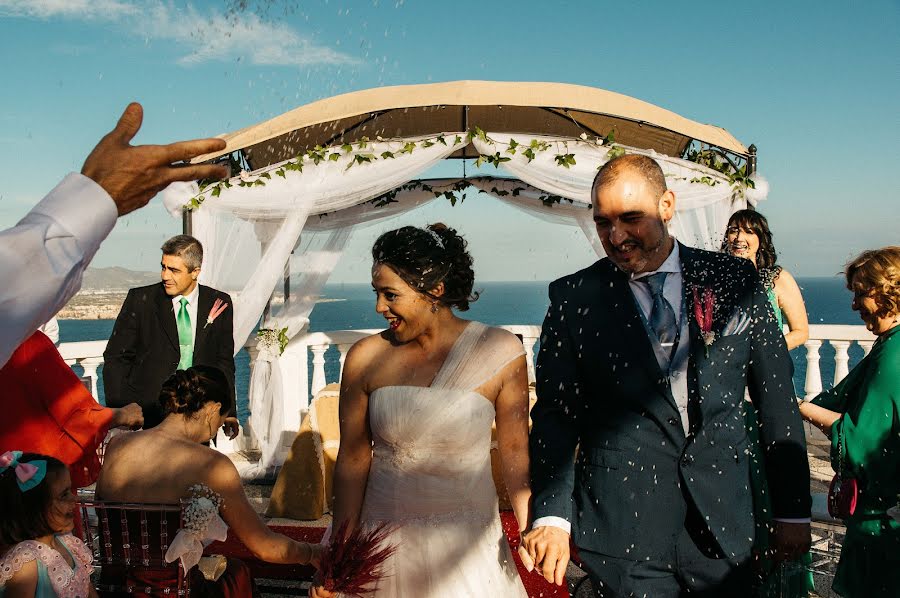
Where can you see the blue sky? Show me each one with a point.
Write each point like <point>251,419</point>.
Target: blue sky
<point>813,84</point>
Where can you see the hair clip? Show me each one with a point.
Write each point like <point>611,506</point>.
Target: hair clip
<point>28,475</point>
<point>435,236</point>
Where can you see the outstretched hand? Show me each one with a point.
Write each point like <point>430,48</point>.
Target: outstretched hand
<point>130,416</point>
<point>133,175</point>
<point>547,550</point>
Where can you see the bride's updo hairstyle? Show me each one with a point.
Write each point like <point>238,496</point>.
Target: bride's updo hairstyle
<point>426,257</point>
<point>187,391</point>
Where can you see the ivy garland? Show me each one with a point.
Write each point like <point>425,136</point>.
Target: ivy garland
<point>530,150</point>
<point>450,194</point>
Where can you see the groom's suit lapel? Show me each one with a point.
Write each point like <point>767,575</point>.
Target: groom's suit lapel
<point>166,315</point>
<point>633,332</point>
<point>692,271</point>
<point>691,278</point>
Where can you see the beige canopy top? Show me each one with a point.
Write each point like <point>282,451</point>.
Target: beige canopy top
<point>558,109</point>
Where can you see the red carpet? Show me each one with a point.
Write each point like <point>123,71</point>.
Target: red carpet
<point>536,585</point>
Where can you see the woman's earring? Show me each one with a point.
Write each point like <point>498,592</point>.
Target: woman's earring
<point>434,307</point>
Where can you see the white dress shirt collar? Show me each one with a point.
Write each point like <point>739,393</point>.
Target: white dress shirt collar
<point>191,297</point>
<point>671,263</point>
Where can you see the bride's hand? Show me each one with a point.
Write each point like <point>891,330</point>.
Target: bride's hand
<point>317,591</point>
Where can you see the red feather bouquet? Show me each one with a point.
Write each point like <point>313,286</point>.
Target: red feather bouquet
<point>351,563</point>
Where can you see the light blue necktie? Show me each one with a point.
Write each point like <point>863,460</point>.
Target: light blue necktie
<point>185,336</point>
<point>662,316</point>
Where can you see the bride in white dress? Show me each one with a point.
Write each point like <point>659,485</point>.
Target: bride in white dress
<point>416,408</point>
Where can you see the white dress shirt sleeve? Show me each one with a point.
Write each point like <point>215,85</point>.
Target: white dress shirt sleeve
<point>553,522</point>
<point>42,258</point>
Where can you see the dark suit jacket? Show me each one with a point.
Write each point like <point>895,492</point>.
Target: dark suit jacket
<point>143,349</point>
<point>600,389</point>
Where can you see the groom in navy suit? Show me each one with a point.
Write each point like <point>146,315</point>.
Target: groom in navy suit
<point>639,447</point>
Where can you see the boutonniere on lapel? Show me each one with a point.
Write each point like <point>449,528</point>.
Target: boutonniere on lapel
<point>703,314</point>
<point>217,308</point>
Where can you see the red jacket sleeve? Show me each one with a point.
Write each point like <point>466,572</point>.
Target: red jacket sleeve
<point>78,422</point>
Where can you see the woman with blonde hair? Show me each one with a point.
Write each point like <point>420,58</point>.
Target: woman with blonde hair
<point>862,417</point>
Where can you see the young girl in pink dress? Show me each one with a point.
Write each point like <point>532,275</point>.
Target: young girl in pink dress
<point>39,556</point>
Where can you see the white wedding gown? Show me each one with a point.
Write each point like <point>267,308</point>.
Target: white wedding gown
<point>430,478</point>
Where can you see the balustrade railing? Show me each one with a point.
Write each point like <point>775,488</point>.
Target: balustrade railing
<point>305,371</point>
<point>840,337</point>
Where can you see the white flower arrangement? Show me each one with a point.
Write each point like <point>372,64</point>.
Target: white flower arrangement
<point>201,508</point>
<point>272,340</point>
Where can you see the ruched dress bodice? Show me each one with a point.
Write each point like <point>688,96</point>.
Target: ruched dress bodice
<point>430,478</point>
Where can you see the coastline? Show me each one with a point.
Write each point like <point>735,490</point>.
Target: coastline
<point>99,305</point>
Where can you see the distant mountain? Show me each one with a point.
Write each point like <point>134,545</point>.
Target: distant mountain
<point>116,279</point>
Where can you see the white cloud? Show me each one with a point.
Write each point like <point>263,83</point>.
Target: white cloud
<point>217,37</point>
<point>203,37</point>
<point>106,10</point>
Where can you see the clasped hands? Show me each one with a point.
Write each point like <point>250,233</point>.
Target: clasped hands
<point>546,549</point>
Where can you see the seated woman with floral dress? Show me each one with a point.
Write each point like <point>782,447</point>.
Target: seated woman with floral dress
<point>169,462</point>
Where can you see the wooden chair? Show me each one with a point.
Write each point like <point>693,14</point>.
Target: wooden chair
<point>129,542</point>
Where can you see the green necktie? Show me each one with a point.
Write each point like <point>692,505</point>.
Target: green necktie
<point>185,336</point>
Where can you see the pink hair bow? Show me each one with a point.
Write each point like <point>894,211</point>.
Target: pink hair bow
<point>28,475</point>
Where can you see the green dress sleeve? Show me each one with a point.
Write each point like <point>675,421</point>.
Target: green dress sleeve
<point>870,425</point>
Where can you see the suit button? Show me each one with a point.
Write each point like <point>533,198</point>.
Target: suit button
<point>673,421</point>
<point>687,460</point>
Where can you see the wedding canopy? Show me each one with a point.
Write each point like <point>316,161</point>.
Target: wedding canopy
<point>352,160</point>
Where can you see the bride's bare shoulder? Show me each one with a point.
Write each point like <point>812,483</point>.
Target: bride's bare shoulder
<point>368,348</point>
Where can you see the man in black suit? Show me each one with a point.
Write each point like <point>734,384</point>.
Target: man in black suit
<point>639,446</point>
<point>165,327</point>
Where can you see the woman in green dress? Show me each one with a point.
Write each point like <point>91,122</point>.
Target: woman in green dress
<point>748,236</point>
<point>862,417</point>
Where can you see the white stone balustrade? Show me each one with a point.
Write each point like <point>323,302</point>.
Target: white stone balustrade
<point>88,355</point>
<point>311,348</point>
<point>841,337</point>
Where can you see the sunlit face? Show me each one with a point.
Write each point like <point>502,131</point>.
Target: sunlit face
<point>61,512</point>
<point>631,222</point>
<point>742,242</point>
<point>406,310</point>
<point>864,303</point>
<point>177,278</point>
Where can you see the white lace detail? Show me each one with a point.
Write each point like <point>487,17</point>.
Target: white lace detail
<point>202,526</point>
<point>66,581</point>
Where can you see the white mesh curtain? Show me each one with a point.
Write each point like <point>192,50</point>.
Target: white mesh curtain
<point>251,257</point>
<point>702,210</point>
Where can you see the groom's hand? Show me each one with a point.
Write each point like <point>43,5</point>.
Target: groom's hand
<point>790,540</point>
<point>548,548</point>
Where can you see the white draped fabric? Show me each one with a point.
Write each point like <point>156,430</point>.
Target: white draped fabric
<point>250,233</point>
<point>318,255</point>
<point>702,210</point>
<point>284,205</point>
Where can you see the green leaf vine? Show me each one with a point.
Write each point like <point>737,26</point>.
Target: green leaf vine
<point>529,150</point>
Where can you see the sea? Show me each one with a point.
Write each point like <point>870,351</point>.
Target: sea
<point>352,306</point>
